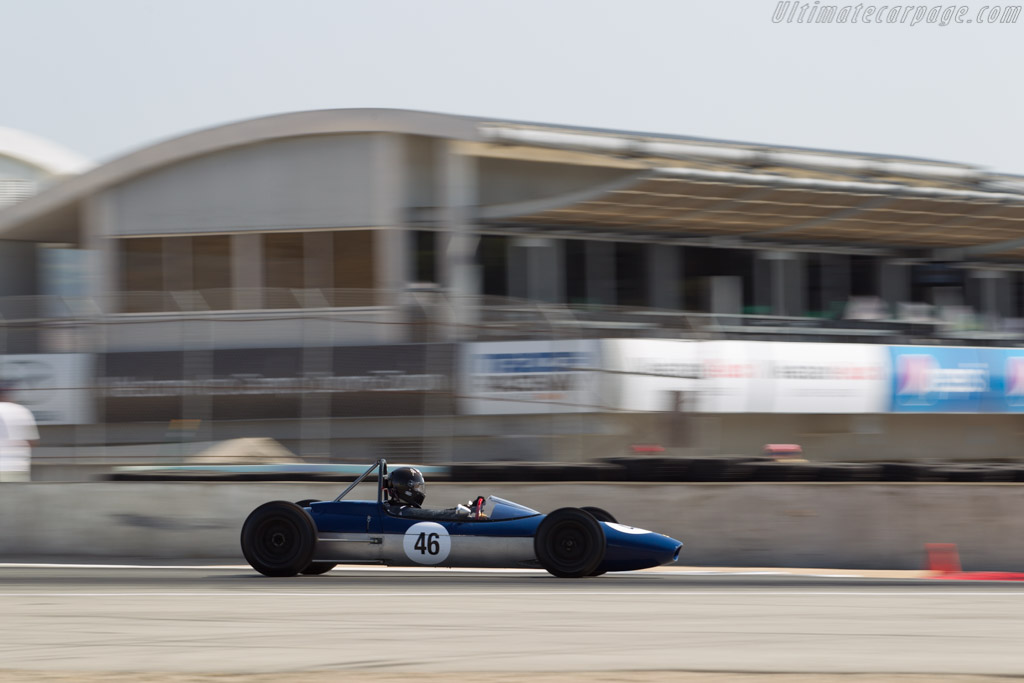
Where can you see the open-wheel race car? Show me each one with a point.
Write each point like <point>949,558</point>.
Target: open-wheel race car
<point>282,538</point>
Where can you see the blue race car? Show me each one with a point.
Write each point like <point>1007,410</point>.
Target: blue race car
<point>310,537</point>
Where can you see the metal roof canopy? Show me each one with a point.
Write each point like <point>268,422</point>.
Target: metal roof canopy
<point>679,202</point>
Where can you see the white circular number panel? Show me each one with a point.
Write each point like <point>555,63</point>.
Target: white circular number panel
<point>427,543</point>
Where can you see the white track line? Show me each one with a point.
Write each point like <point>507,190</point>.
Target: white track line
<point>509,593</point>
<point>426,570</point>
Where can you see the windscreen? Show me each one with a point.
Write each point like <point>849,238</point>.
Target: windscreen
<point>506,509</point>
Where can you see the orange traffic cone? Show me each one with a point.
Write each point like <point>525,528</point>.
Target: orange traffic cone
<point>944,563</point>
<point>943,558</point>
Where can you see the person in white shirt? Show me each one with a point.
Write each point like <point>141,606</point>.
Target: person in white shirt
<point>18,434</point>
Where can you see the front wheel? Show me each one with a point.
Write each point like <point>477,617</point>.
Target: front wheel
<point>278,539</point>
<point>570,543</point>
<point>601,515</point>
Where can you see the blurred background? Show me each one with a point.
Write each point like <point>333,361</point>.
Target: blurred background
<point>334,283</point>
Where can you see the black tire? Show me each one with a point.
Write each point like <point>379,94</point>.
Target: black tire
<point>569,543</point>
<point>314,568</point>
<point>600,514</point>
<point>278,539</point>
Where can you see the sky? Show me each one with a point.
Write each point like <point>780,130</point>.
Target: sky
<point>105,77</point>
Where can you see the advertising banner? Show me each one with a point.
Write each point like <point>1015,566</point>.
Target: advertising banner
<point>733,377</point>
<point>957,380</point>
<point>650,375</point>
<point>1007,388</point>
<point>827,378</point>
<point>236,384</point>
<point>54,386</point>
<point>521,377</point>
<point>746,377</point>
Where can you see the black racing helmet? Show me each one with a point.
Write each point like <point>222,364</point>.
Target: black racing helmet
<point>407,485</point>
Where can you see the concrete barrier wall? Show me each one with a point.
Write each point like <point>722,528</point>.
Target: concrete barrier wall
<point>856,526</point>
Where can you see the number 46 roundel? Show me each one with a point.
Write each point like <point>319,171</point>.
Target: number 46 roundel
<point>427,543</point>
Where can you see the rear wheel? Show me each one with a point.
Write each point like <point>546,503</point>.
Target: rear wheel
<point>569,543</point>
<point>600,514</point>
<point>314,568</point>
<point>278,539</point>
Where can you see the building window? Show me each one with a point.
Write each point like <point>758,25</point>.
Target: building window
<point>424,256</point>
<point>702,264</point>
<point>142,275</point>
<point>283,269</point>
<point>354,270</point>
<point>576,271</point>
<point>492,255</point>
<point>353,259</point>
<point>630,274</point>
<point>864,276</point>
<point>211,269</point>
<point>939,284</point>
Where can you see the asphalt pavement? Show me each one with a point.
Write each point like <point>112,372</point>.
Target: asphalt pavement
<point>170,623</point>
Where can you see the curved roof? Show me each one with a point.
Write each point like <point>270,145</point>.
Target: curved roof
<point>661,183</point>
<point>20,220</point>
<point>44,155</point>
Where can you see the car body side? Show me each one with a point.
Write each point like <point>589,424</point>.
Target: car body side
<point>364,532</point>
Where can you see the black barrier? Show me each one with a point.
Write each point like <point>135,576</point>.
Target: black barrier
<point>651,469</point>
<point>838,472</point>
<point>275,383</point>
<point>534,471</point>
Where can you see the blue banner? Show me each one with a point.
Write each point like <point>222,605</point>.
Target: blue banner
<point>957,380</point>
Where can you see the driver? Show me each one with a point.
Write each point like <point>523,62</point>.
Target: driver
<point>405,491</point>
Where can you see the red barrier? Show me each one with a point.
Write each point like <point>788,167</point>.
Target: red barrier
<point>944,561</point>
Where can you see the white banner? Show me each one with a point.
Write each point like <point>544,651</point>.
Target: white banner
<point>651,375</point>
<point>501,378</point>
<point>829,378</point>
<point>746,377</point>
<point>54,386</point>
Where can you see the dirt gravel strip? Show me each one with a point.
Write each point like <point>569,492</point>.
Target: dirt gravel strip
<point>12,676</point>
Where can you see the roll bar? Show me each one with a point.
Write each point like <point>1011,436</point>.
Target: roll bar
<point>382,467</point>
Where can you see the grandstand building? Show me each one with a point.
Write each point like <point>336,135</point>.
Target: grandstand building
<point>383,228</point>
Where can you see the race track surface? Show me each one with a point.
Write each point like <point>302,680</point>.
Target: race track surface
<point>227,623</point>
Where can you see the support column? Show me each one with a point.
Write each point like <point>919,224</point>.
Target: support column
<point>995,297</point>
<point>663,276</point>
<point>763,282</point>
<point>786,280</point>
<point>19,278</point>
<point>392,253</point>
<point>835,282</point>
<point>456,243</point>
<point>19,271</point>
<point>600,272</point>
<point>796,284</point>
<point>894,284</point>
<point>518,287</point>
<point>1011,302</point>
<point>780,276</point>
<point>102,263</point>
<point>535,269</point>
